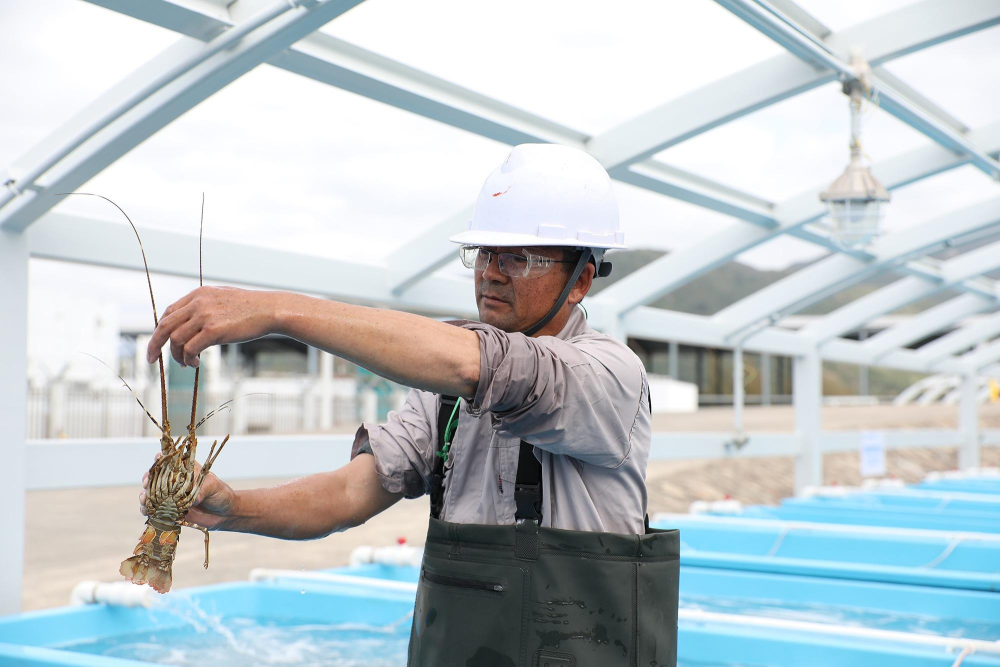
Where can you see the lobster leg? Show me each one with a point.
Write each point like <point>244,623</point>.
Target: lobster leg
<point>202,529</point>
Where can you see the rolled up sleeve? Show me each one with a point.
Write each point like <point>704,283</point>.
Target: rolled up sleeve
<point>403,446</point>
<point>577,398</point>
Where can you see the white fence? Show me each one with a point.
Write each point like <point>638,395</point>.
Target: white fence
<point>61,411</point>
<point>56,464</point>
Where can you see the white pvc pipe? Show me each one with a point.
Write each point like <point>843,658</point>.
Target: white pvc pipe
<point>265,574</point>
<point>807,628</point>
<point>989,473</point>
<point>396,554</point>
<point>881,531</point>
<point>117,594</point>
<point>847,491</point>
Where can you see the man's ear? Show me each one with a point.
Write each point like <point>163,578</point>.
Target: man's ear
<point>582,285</point>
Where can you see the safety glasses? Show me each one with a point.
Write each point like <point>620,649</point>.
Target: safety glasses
<point>510,264</point>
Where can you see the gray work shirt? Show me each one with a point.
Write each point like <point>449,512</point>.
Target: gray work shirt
<point>580,397</point>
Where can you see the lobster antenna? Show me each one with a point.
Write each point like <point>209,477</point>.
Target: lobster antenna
<point>228,405</point>
<point>131,391</point>
<point>201,283</point>
<point>149,281</point>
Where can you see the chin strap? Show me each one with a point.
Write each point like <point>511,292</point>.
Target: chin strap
<point>580,266</point>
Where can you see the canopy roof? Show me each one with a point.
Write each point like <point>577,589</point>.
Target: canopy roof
<point>342,165</point>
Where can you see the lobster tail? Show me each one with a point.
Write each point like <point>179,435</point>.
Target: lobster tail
<point>143,570</point>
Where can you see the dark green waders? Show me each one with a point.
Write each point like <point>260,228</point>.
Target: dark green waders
<point>526,596</point>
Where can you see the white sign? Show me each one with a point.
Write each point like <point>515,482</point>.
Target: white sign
<point>872,454</point>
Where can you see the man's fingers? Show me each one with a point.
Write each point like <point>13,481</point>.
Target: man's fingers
<point>196,346</point>
<point>172,318</point>
<point>179,339</point>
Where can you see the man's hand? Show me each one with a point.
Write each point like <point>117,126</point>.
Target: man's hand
<point>212,316</point>
<point>213,505</point>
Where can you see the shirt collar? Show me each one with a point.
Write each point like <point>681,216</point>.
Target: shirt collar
<point>575,325</point>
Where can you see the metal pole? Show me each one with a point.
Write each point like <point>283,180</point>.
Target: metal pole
<point>673,357</point>
<point>13,408</point>
<point>738,390</point>
<point>968,422</point>
<point>807,392</point>
<point>863,385</point>
<point>765,379</point>
<point>326,416</point>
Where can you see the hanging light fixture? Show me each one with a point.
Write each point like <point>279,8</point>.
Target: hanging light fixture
<point>856,200</point>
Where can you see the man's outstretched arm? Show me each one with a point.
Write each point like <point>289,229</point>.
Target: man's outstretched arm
<point>415,351</point>
<point>302,509</point>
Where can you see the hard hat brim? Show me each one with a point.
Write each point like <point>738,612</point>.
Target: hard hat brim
<point>508,239</point>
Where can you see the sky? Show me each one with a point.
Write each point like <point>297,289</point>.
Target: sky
<point>288,163</point>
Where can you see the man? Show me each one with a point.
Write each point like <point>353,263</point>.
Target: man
<point>529,430</point>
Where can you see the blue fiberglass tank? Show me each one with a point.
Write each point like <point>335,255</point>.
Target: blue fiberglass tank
<point>756,541</point>
<point>306,623</point>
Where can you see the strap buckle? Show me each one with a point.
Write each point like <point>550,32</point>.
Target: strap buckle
<point>528,499</point>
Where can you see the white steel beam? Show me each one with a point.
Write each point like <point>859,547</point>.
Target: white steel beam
<point>818,54</point>
<point>968,420</point>
<point>105,243</point>
<point>961,339</point>
<point>922,325</point>
<point>822,278</point>
<point>13,408</point>
<point>338,63</point>
<point>807,397</point>
<point>88,462</point>
<point>982,357</point>
<point>666,325</point>
<point>965,267</point>
<point>685,264</point>
<point>171,84</point>
<point>419,258</point>
<point>860,311</point>
<point>928,23</point>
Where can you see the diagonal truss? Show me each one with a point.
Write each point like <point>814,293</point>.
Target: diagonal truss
<point>926,323</point>
<point>927,23</point>
<point>675,269</point>
<point>109,243</point>
<point>172,83</point>
<point>817,53</point>
<point>961,339</point>
<point>965,267</point>
<point>818,280</point>
<point>624,150</point>
<point>812,60</point>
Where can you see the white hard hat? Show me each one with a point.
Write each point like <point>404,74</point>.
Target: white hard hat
<point>546,195</point>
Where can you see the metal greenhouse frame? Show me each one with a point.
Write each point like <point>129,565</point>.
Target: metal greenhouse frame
<point>219,42</point>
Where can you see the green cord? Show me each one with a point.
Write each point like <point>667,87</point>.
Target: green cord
<point>449,430</point>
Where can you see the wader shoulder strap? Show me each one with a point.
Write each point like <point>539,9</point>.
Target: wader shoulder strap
<point>437,476</point>
<point>528,485</point>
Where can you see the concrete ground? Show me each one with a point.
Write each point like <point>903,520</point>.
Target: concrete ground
<point>83,534</point>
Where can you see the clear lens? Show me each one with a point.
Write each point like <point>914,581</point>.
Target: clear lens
<point>510,264</point>
<point>468,254</point>
<point>515,266</point>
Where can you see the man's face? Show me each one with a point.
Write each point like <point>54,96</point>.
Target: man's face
<point>514,304</point>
